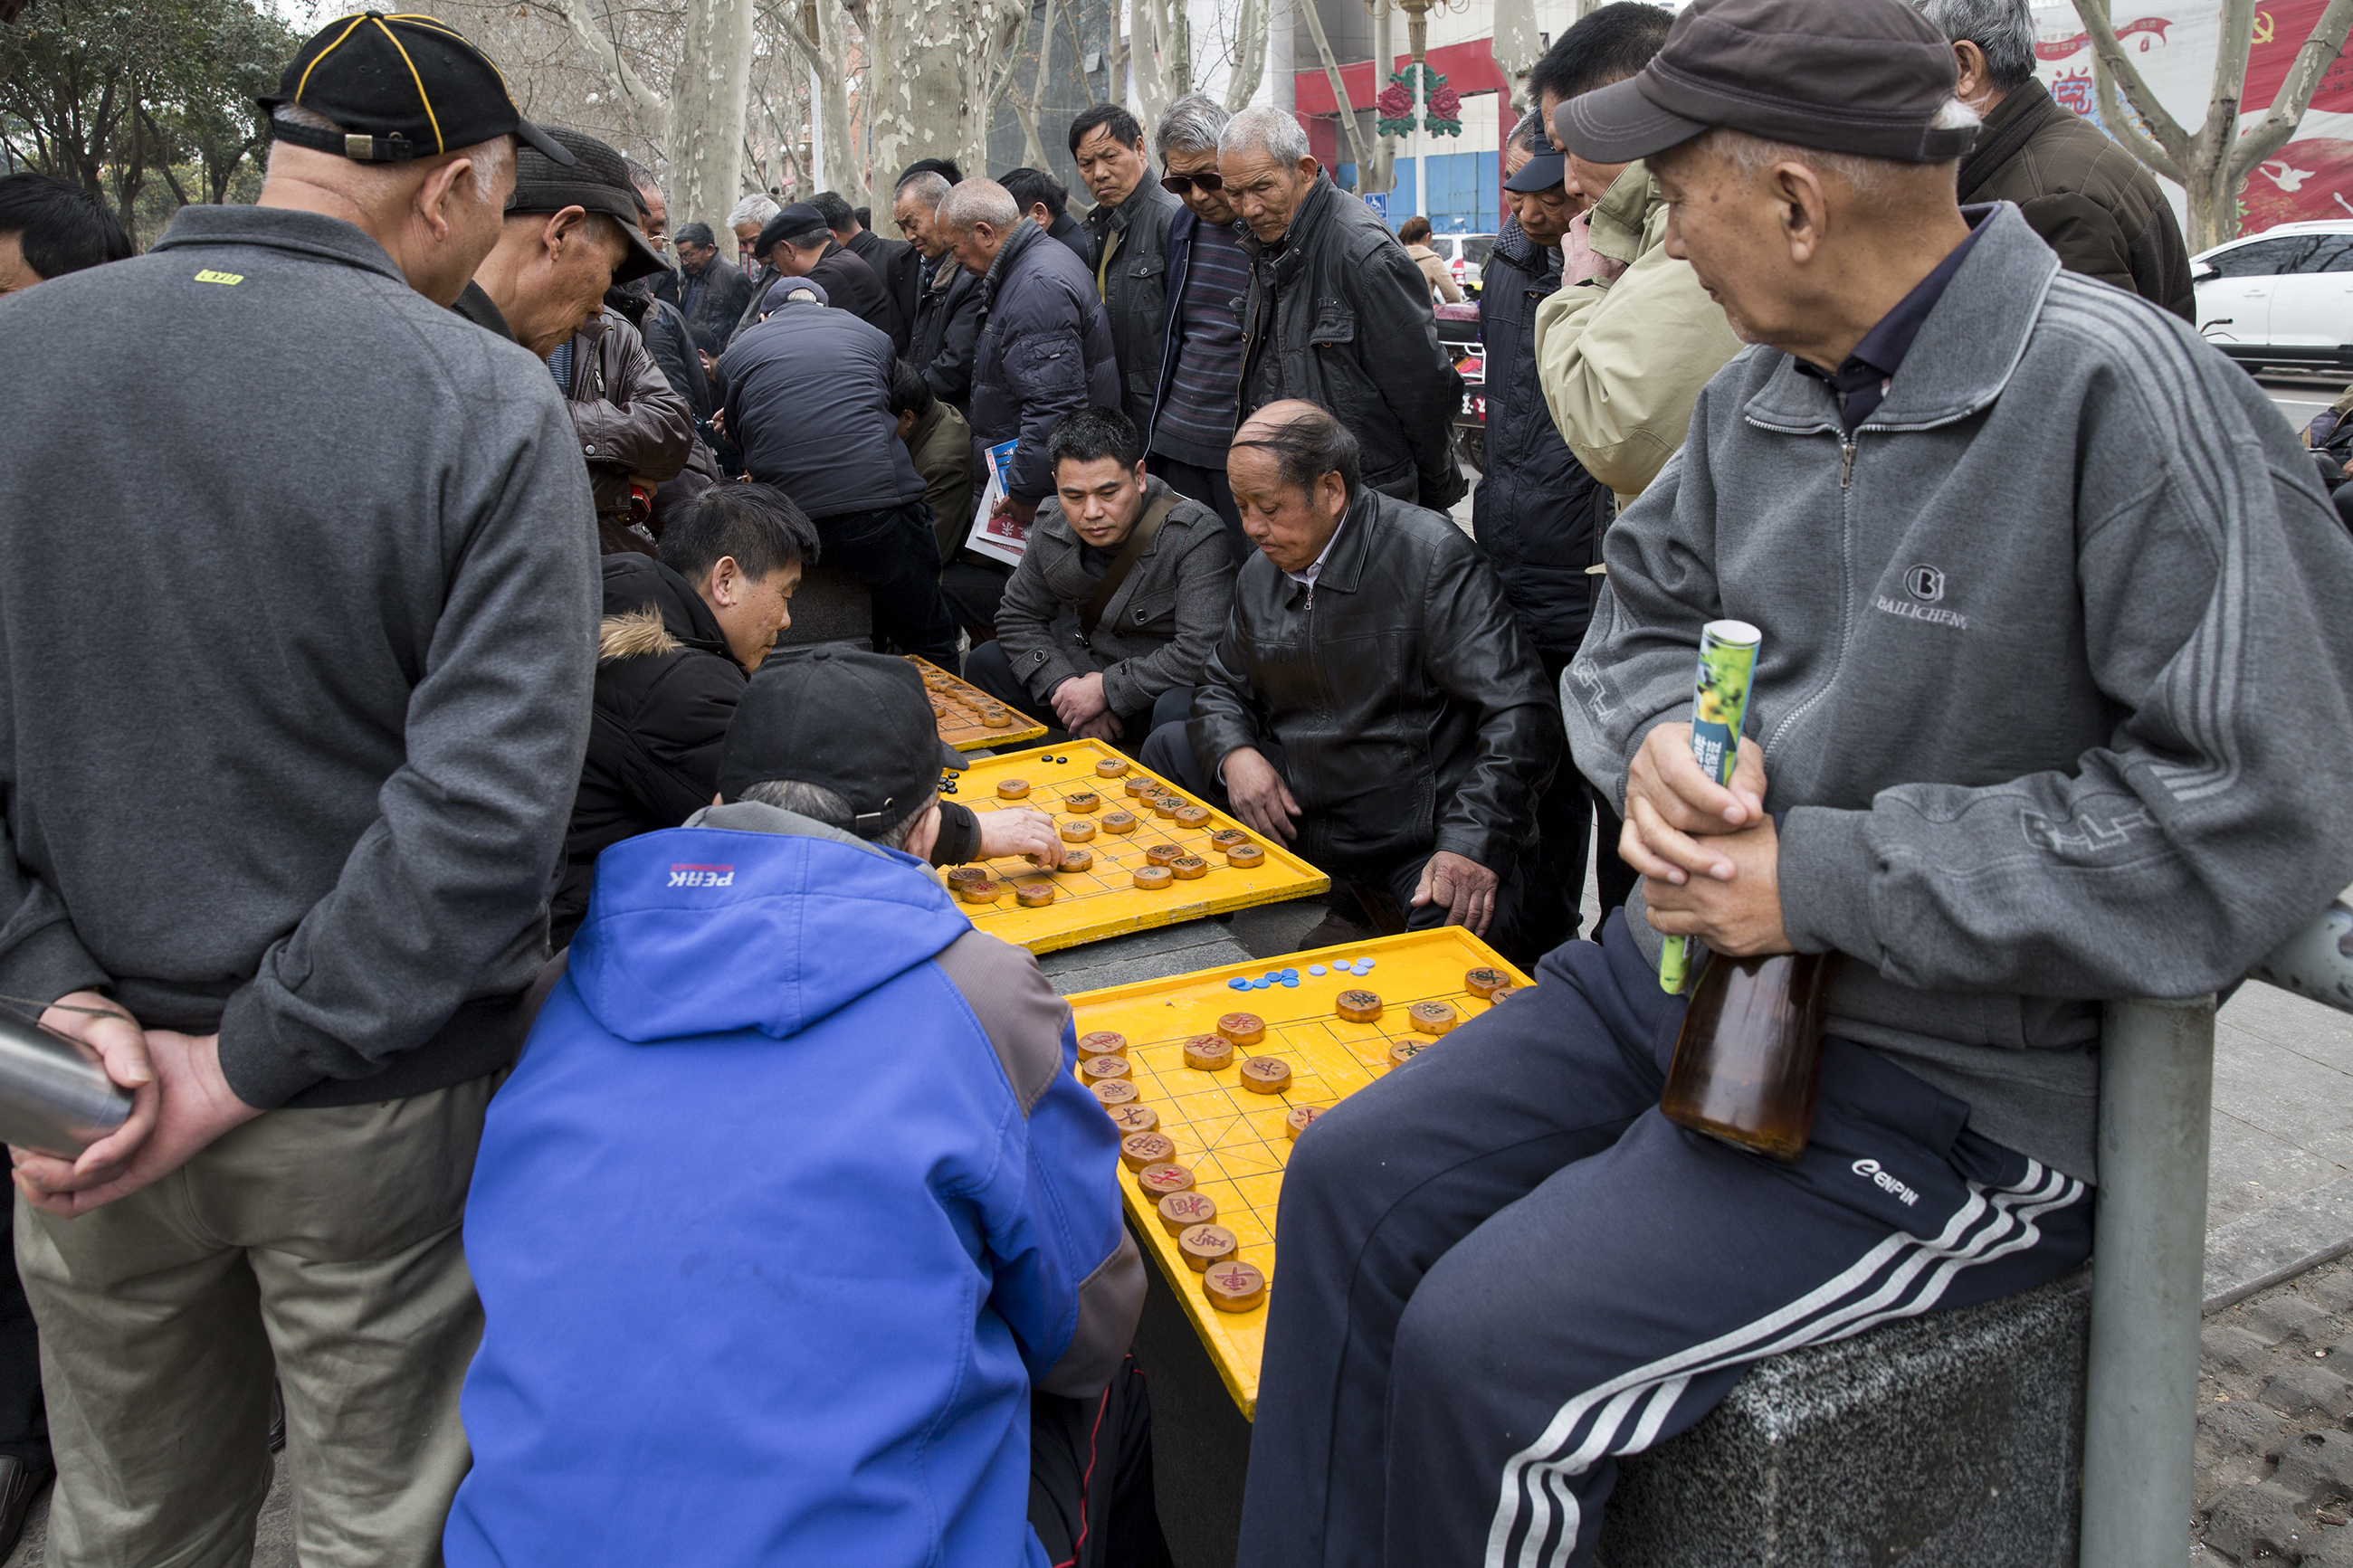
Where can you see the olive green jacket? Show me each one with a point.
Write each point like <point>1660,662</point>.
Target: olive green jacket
<point>1621,360</point>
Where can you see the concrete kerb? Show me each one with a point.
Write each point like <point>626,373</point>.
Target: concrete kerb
<point>2260,1250</point>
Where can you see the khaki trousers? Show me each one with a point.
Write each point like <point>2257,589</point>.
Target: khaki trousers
<point>322,1243</point>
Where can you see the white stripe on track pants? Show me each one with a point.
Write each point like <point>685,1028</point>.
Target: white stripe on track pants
<point>1501,1269</point>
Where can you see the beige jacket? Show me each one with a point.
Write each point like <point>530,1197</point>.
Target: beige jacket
<point>1434,266</point>
<point>1623,361</point>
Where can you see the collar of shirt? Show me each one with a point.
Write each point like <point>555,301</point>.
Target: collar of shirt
<point>1307,579</point>
<point>1861,383</point>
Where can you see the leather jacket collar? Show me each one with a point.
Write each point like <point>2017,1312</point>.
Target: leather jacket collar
<point>1025,234</point>
<point>1297,240</point>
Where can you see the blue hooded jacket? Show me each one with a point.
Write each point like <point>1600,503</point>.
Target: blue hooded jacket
<point>789,1203</point>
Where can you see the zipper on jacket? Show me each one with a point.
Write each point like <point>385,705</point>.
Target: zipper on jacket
<point>1846,463</point>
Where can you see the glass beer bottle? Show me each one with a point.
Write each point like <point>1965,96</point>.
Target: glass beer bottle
<point>1750,1057</point>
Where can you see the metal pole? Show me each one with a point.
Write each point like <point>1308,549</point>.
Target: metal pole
<point>2157,1090</point>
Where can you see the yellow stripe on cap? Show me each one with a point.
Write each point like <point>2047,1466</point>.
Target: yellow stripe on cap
<point>430,119</point>
<point>321,55</point>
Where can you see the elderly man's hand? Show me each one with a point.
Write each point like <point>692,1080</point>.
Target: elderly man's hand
<point>1671,804</point>
<point>1020,831</point>
<point>1740,915</point>
<point>1466,888</point>
<point>101,1023</point>
<point>1104,726</point>
<point>1258,795</point>
<point>1080,699</point>
<point>189,1104</point>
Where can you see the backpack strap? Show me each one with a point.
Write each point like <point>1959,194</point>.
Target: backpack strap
<point>1124,562</point>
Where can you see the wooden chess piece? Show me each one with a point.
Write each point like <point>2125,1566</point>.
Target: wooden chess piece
<point>1266,1075</point>
<point>1357,1006</point>
<point>1234,1287</point>
<point>1242,1028</point>
<point>980,892</point>
<point>1208,1053</point>
<point>1485,982</point>
<point>1179,1211</point>
<point>1431,1017</point>
<point>1103,1043</point>
<point>1138,1149</point>
<point>1033,895</point>
<point>1153,878</point>
<point>1299,1119</point>
<point>1012,789</point>
<point>1203,1245</point>
<point>1162,1178</point>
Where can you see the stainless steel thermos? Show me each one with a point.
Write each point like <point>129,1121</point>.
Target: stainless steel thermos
<point>54,1094</point>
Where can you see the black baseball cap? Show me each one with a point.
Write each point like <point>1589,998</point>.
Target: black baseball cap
<point>800,217</point>
<point>1870,78</point>
<point>596,177</point>
<point>402,87</point>
<point>855,722</point>
<point>1543,171</point>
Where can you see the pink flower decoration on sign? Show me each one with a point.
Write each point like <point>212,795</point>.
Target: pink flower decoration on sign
<point>1444,104</point>
<point>1395,101</point>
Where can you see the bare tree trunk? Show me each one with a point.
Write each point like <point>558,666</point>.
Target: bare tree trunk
<point>1383,175</point>
<point>1179,65</point>
<point>1249,55</point>
<point>932,102</point>
<point>709,99</point>
<point>821,32</point>
<point>1152,40</point>
<point>1514,48</point>
<point>1348,112</point>
<point>2211,166</point>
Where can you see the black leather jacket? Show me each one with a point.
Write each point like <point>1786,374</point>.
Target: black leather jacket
<point>1135,291</point>
<point>1397,697</point>
<point>1338,314</point>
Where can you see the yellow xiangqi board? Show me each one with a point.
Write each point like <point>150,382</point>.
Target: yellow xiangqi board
<point>1235,1142</point>
<point>963,712</point>
<point>1103,900</point>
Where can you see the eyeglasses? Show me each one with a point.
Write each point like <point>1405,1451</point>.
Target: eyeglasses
<point>1178,185</point>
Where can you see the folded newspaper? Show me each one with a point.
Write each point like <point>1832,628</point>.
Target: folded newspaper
<point>999,537</point>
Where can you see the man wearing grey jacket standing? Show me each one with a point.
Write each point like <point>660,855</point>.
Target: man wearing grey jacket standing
<point>2054,704</point>
<point>298,666</point>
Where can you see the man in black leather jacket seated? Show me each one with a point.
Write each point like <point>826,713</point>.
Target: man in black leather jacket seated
<point>1371,702</point>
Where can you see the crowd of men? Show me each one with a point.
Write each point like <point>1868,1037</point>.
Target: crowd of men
<point>557,1066</point>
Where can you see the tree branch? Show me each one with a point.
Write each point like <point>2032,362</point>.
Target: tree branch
<point>1347,111</point>
<point>2279,122</point>
<point>617,71</point>
<point>2173,145</point>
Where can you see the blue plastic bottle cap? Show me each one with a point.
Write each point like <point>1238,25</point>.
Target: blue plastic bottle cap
<point>1238,983</point>
<point>1291,974</point>
<point>1315,969</point>
<point>1364,966</point>
<point>1291,981</point>
<point>1261,984</point>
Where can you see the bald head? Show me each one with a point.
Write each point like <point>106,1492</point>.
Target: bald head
<point>1293,467</point>
<point>436,217</point>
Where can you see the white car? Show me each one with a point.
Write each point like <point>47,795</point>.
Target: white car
<point>2283,296</point>
<point>1465,256</point>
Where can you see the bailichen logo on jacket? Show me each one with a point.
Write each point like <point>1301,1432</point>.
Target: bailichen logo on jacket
<point>683,876</point>
<point>1924,586</point>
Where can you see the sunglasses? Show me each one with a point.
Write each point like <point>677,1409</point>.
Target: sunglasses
<point>1178,185</point>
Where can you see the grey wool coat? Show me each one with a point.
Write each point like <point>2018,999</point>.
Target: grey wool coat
<point>1157,629</point>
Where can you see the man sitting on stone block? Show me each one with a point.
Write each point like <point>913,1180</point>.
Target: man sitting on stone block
<point>1371,702</point>
<point>798,1240</point>
<point>2055,703</point>
<point>1118,599</point>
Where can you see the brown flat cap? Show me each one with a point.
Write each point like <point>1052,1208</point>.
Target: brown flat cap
<point>1864,76</point>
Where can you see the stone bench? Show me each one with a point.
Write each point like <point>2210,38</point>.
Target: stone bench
<point>1954,1440</point>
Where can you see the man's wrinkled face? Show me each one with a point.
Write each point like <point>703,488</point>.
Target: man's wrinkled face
<point>914,221</point>
<point>1543,216</point>
<point>562,286</point>
<point>695,258</point>
<point>751,615</point>
<point>1111,168</point>
<point>747,234</point>
<point>1265,191</point>
<point>1100,499</point>
<point>976,248</point>
<point>1290,524</point>
<point>1726,223</point>
<point>1210,206</point>
<point>656,223</point>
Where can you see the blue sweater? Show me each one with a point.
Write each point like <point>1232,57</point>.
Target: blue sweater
<point>790,1201</point>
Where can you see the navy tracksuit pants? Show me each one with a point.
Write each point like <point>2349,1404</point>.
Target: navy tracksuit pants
<point>1501,1269</point>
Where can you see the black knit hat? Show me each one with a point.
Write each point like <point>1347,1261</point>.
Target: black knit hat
<point>855,722</point>
<point>402,87</point>
<point>595,178</point>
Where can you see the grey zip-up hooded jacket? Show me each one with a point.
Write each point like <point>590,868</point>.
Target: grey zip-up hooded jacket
<point>2056,687</point>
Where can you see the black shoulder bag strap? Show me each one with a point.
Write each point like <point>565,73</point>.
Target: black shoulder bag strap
<point>1124,562</point>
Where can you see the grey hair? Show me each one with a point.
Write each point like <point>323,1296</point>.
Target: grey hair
<point>1275,132</point>
<point>1193,124</point>
<point>375,182</point>
<point>976,202</point>
<point>2003,29</point>
<point>929,188</point>
<point>824,805</point>
<point>1876,182</point>
<point>754,208</point>
<point>1529,133</point>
